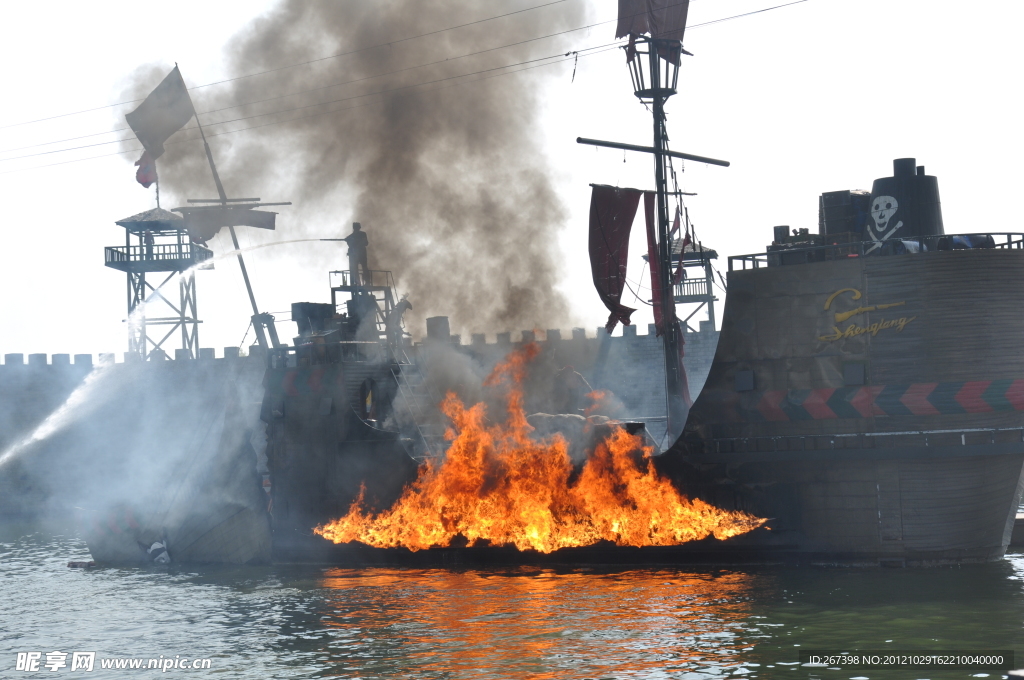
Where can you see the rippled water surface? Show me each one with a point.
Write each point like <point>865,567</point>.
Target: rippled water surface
<point>291,622</point>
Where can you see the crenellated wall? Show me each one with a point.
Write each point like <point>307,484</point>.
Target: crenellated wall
<point>629,365</point>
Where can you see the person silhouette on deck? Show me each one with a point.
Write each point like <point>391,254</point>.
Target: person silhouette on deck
<point>357,243</point>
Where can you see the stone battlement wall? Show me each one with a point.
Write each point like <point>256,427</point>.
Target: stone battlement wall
<point>629,365</point>
<point>696,345</point>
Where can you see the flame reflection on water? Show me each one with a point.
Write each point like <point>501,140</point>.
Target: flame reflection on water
<point>541,624</point>
<point>682,623</point>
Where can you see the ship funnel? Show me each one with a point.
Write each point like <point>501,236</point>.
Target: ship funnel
<point>905,205</point>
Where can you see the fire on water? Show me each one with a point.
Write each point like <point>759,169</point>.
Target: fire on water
<point>497,486</point>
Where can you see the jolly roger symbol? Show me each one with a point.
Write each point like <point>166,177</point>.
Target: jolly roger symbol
<point>882,210</point>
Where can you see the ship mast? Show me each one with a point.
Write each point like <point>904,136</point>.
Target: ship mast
<point>262,323</point>
<point>670,328</point>
<point>654,81</point>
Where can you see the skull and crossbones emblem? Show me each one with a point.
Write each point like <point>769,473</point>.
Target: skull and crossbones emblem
<point>882,210</point>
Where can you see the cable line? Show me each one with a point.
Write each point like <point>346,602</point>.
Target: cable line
<point>334,101</point>
<point>560,57</point>
<point>303,63</point>
<point>296,93</point>
<point>288,120</point>
<point>363,49</point>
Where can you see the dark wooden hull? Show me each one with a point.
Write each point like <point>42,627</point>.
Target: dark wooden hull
<point>321,454</point>
<point>873,407</point>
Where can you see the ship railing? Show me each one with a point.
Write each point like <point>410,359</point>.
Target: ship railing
<point>316,354</point>
<point>377,279</point>
<point>842,251</point>
<point>873,440</point>
<point>692,288</point>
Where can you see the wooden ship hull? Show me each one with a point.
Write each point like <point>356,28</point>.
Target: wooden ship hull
<point>872,406</point>
<point>322,453</point>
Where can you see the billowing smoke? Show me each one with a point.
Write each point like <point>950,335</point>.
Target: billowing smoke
<point>449,179</point>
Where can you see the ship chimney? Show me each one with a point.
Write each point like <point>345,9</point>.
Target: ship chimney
<point>905,205</point>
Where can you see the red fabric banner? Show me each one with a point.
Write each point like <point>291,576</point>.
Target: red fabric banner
<point>662,19</point>
<point>146,173</point>
<point>654,260</point>
<point>656,293</point>
<point>677,278</point>
<point>611,217</point>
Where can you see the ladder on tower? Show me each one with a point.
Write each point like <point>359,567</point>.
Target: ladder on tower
<point>416,408</point>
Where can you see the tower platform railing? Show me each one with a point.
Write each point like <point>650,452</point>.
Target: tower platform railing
<point>157,257</point>
<point>372,279</point>
<point>692,290</point>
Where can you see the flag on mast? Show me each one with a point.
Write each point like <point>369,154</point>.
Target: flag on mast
<point>662,19</point>
<point>164,112</point>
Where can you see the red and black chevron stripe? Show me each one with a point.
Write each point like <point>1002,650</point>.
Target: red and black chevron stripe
<point>919,399</point>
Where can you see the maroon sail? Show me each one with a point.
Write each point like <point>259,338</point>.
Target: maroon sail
<point>611,217</point>
<point>654,261</point>
<point>656,296</point>
<point>663,19</point>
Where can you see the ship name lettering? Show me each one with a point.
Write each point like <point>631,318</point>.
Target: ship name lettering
<point>853,330</point>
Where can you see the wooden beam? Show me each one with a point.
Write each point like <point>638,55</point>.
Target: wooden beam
<point>648,149</point>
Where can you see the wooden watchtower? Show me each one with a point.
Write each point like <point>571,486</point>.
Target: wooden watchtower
<point>696,285</point>
<point>156,241</point>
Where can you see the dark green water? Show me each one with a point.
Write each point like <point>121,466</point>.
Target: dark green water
<point>297,622</point>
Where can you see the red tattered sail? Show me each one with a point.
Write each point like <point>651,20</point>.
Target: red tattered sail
<point>655,262</point>
<point>656,296</point>
<point>146,173</point>
<point>611,217</point>
<point>662,19</point>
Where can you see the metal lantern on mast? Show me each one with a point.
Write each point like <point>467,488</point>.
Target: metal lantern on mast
<point>653,80</point>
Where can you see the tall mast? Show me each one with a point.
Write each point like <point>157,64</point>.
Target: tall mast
<point>262,323</point>
<point>673,384</point>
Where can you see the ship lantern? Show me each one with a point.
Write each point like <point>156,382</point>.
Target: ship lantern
<point>653,76</point>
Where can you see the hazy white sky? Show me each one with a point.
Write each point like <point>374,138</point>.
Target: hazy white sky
<point>815,97</point>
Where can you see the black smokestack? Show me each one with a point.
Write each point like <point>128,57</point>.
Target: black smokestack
<point>448,179</point>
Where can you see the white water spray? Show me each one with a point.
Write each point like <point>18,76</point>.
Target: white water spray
<point>76,405</point>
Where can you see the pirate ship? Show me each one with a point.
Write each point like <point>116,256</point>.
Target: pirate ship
<point>866,389</point>
<point>864,395</point>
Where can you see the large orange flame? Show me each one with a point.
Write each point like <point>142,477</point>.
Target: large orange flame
<point>498,486</point>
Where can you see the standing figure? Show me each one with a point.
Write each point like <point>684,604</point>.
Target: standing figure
<point>147,238</point>
<point>393,324</point>
<point>357,243</point>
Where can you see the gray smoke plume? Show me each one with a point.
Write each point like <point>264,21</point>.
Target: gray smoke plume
<point>448,179</point>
